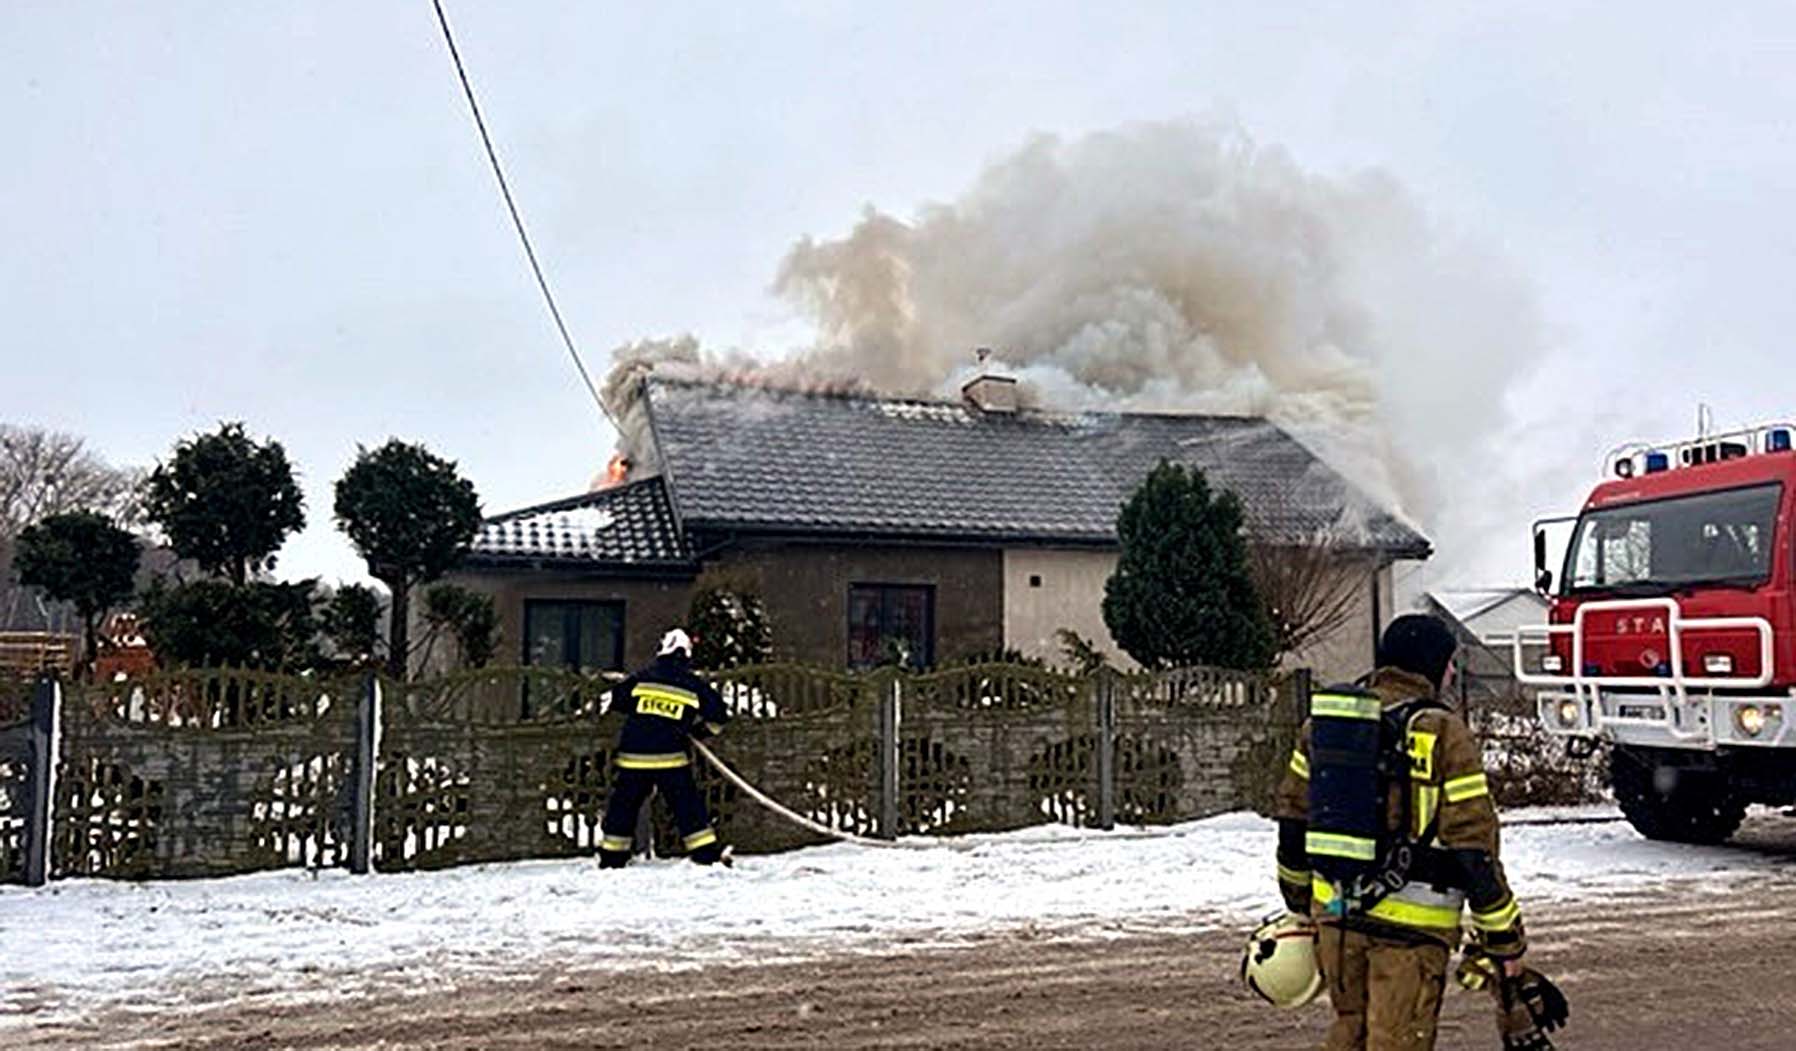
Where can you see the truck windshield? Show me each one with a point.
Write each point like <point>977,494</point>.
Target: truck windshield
<point>1662,545</point>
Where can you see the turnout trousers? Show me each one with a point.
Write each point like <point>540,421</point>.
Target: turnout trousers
<point>631,788</point>
<point>1386,993</point>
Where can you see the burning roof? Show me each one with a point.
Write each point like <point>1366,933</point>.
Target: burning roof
<point>739,458</point>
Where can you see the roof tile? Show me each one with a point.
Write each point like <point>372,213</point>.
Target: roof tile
<point>747,458</point>
<point>630,524</point>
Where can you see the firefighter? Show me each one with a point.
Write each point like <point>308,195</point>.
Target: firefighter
<point>1387,831</point>
<point>665,706</point>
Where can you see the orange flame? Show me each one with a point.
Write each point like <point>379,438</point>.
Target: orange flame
<point>617,471</point>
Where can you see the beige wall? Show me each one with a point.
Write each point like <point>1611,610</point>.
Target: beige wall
<point>1069,594</point>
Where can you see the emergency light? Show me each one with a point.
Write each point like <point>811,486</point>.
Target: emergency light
<point>1656,462</point>
<point>1778,441</point>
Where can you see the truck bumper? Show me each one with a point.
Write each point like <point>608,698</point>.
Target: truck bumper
<point>1701,723</point>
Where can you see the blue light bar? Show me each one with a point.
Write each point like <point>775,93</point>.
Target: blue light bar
<point>1656,462</point>
<point>1778,441</point>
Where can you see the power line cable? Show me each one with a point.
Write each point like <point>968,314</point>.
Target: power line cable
<point>517,220</point>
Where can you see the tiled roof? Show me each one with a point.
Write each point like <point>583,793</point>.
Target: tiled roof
<point>742,458</point>
<point>630,524</point>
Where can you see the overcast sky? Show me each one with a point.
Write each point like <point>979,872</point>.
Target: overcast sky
<point>281,215</point>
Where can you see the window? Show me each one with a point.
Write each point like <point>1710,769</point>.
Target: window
<point>891,623</point>
<point>1656,546</point>
<point>564,634</point>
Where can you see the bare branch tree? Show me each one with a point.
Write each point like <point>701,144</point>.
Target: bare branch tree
<point>1311,589</point>
<point>44,473</point>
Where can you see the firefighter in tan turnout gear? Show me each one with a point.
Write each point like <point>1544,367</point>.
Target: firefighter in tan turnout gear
<point>1387,833</point>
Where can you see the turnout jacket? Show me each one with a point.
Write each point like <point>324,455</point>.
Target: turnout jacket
<point>1450,809</point>
<point>665,705</point>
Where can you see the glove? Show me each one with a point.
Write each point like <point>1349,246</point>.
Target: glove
<point>1515,1023</point>
<point>1526,1004</point>
<point>1521,1034</point>
<point>1542,999</point>
<point>1478,970</point>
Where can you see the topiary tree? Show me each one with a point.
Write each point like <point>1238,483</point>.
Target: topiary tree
<point>80,558</point>
<point>729,627</point>
<point>1182,593</point>
<point>412,516</point>
<point>226,502</point>
<point>350,622</point>
<point>214,623</point>
<point>467,616</point>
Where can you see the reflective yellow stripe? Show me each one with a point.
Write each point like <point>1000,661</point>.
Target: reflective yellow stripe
<point>1342,706</point>
<point>702,838</point>
<point>1500,918</point>
<point>1335,845</point>
<point>1470,786</point>
<point>616,843</point>
<point>671,694</point>
<point>1299,765</point>
<point>1428,800</point>
<point>715,728</point>
<point>628,761</point>
<point>1394,910</point>
<point>1291,875</point>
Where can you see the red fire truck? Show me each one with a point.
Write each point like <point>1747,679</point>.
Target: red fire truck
<point>1672,631</point>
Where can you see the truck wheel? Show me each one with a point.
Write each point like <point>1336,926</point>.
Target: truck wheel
<point>1673,803</point>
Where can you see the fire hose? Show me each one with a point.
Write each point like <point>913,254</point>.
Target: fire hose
<point>933,843</point>
<point>793,816</point>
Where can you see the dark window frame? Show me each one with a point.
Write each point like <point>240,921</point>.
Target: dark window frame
<point>886,588</point>
<point>571,635</point>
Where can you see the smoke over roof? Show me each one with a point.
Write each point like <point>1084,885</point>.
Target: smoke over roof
<point>1166,267</point>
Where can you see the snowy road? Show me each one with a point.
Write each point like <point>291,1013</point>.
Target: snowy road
<point>80,951</point>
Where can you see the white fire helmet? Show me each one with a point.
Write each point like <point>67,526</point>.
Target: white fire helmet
<point>675,641</point>
<point>1279,963</point>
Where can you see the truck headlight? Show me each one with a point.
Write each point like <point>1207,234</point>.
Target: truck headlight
<point>1567,713</point>
<point>1753,720</point>
<point>1717,664</point>
<point>1553,663</point>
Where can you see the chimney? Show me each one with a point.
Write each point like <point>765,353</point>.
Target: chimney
<point>989,392</point>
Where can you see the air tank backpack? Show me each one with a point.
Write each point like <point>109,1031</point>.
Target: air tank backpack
<point>1359,750</point>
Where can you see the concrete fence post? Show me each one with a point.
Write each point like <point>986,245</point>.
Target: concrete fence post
<point>367,759</point>
<point>1105,698</point>
<point>46,716</point>
<point>888,699</point>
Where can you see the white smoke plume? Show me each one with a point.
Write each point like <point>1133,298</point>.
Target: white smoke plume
<point>1174,267</point>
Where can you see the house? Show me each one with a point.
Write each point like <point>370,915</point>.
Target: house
<point>950,528</point>
<point>1484,620</point>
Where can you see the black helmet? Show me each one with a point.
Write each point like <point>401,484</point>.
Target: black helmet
<point>1419,644</point>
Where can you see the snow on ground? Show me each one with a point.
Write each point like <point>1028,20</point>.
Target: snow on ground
<point>83,942</point>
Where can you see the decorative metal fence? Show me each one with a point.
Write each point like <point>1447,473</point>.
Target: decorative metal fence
<point>203,773</point>
<point>217,772</point>
<point>16,765</point>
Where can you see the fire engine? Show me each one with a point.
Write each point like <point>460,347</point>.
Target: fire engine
<point>1671,630</point>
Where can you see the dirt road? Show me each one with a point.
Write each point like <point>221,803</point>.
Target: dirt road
<point>1649,972</point>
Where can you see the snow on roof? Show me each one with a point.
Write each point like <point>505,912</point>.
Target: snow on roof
<point>1491,613</point>
<point>631,523</point>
